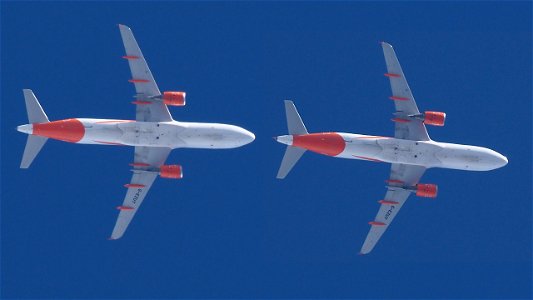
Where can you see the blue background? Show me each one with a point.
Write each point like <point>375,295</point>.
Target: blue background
<point>229,228</point>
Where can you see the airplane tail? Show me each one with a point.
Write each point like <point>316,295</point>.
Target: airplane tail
<point>34,143</point>
<point>295,126</point>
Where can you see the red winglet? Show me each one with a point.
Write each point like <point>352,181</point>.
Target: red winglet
<point>398,98</point>
<point>391,75</point>
<point>374,223</point>
<point>141,102</point>
<point>139,165</point>
<point>394,181</point>
<point>138,80</point>
<point>400,120</point>
<point>133,185</point>
<point>125,208</point>
<point>387,202</point>
<point>130,57</point>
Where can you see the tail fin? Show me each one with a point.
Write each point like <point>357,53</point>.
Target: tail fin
<point>294,122</point>
<point>295,126</point>
<point>33,107</point>
<point>35,115</point>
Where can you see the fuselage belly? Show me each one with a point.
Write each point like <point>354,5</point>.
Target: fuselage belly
<point>172,134</point>
<point>429,154</point>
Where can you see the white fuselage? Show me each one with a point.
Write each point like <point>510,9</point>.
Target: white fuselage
<point>172,134</point>
<point>429,154</point>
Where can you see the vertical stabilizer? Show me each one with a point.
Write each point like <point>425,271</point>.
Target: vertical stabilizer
<point>36,113</point>
<point>294,122</point>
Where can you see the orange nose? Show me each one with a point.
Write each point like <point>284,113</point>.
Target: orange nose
<point>69,130</point>
<point>329,143</point>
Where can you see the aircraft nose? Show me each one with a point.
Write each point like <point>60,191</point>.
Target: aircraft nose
<point>243,136</point>
<point>248,136</point>
<point>503,160</point>
<point>499,160</point>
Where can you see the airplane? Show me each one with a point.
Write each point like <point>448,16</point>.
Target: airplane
<point>153,133</point>
<point>411,151</point>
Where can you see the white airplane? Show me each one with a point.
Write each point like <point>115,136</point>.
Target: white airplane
<point>410,151</point>
<point>153,133</point>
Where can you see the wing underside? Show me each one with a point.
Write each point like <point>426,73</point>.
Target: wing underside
<point>145,85</point>
<point>405,175</point>
<point>145,171</point>
<point>406,127</point>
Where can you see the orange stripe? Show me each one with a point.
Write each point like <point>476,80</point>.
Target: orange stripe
<point>368,158</point>
<point>376,223</point>
<point>391,75</point>
<point>398,98</point>
<point>133,185</point>
<point>387,202</point>
<point>109,143</point>
<point>400,120</point>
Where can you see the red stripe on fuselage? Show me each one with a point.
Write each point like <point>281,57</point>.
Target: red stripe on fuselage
<point>327,143</point>
<point>69,130</point>
<point>368,158</point>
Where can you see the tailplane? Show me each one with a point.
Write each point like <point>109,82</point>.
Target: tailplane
<point>34,143</point>
<point>295,126</point>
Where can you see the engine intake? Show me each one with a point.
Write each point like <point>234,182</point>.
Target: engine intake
<point>174,98</point>
<point>434,118</point>
<point>426,190</point>
<point>171,171</point>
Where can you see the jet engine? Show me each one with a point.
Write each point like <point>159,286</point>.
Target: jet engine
<point>434,118</point>
<point>174,98</point>
<point>171,171</point>
<point>426,190</point>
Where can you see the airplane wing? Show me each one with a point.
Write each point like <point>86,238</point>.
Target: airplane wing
<point>146,159</point>
<point>145,85</point>
<point>393,201</point>
<point>408,128</point>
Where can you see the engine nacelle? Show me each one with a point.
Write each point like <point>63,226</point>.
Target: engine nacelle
<point>171,171</point>
<point>174,98</point>
<point>434,118</point>
<point>426,190</point>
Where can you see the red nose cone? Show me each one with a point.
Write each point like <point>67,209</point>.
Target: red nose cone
<point>69,130</point>
<point>329,143</point>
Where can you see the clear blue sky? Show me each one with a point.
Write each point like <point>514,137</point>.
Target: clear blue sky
<point>229,228</point>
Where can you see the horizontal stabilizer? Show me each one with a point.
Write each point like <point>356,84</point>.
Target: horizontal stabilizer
<point>34,144</point>
<point>291,157</point>
<point>294,122</point>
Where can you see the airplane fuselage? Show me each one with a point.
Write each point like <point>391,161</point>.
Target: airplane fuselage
<point>429,154</point>
<point>172,134</point>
